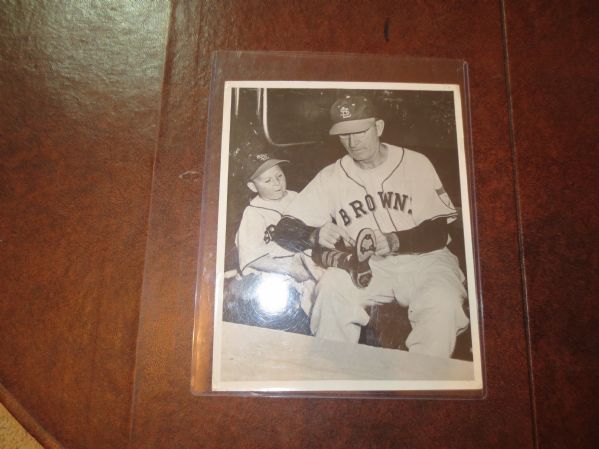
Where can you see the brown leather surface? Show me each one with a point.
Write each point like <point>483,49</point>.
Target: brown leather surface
<point>80,94</point>
<point>165,415</point>
<point>554,67</point>
<point>26,421</point>
<point>80,91</point>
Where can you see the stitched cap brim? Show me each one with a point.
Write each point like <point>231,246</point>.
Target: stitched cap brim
<point>352,126</point>
<point>268,164</point>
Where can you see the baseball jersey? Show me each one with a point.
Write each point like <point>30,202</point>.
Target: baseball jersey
<point>253,239</point>
<point>397,195</point>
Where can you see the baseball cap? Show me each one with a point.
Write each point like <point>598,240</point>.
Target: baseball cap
<point>351,114</point>
<point>258,163</point>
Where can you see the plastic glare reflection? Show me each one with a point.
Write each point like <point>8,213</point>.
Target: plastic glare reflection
<point>272,294</point>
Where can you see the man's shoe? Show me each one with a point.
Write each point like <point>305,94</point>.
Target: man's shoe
<point>361,273</point>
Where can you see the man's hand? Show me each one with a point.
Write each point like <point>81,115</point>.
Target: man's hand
<point>386,243</point>
<point>330,233</point>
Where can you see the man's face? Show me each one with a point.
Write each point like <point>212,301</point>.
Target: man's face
<point>270,185</point>
<point>364,146</point>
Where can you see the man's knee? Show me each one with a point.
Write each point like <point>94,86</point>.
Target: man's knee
<point>334,280</point>
<point>338,307</point>
<point>440,308</point>
<point>443,299</point>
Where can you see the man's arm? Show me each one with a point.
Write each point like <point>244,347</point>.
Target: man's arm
<point>428,236</point>
<point>294,235</point>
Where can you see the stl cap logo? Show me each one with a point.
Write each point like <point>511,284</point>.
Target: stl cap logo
<point>344,112</point>
<point>262,157</point>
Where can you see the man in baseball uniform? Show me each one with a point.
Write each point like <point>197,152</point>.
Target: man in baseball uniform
<point>396,195</point>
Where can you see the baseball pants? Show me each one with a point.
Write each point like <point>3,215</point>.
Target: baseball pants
<point>430,285</point>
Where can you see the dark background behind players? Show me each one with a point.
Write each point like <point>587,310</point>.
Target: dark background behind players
<point>297,124</point>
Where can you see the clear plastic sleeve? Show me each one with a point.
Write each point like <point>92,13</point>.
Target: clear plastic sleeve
<point>373,153</point>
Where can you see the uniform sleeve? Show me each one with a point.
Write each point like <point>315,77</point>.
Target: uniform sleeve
<point>251,244</point>
<point>313,204</point>
<point>254,240</point>
<point>429,198</point>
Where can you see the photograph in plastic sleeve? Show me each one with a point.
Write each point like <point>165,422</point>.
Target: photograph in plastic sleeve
<point>345,254</point>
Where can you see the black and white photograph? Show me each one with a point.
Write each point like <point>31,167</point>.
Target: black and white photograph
<point>345,250</point>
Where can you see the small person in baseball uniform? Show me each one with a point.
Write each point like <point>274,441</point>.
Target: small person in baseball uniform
<point>257,251</point>
<point>388,202</point>
<point>276,285</point>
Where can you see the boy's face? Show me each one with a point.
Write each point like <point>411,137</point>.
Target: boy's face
<point>270,185</point>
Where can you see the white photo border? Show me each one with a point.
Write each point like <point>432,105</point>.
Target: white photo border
<point>218,385</point>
